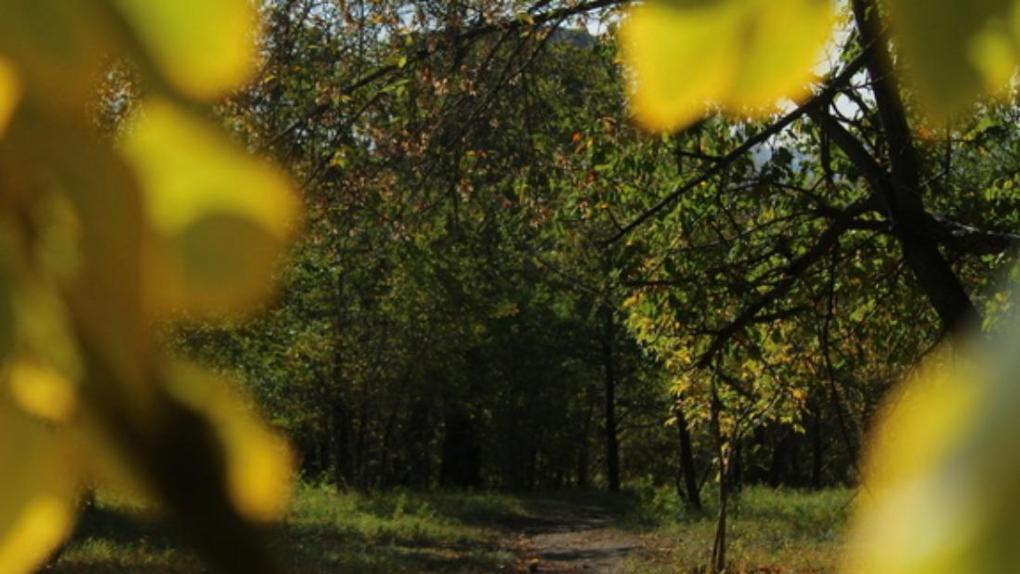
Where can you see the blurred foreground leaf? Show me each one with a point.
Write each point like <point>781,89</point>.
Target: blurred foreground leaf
<point>939,493</point>
<point>205,49</point>
<point>10,92</point>
<point>221,217</point>
<point>101,242</point>
<point>37,506</point>
<point>743,56</point>
<point>955,51</point>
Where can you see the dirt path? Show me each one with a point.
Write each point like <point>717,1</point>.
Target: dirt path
<point>572,538</point>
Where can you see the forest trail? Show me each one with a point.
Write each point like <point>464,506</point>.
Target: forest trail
<point>574,538</point>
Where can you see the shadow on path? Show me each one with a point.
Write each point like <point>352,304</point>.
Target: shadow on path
<point>567,536</point>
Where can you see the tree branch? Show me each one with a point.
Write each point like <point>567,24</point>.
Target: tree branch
<point>792,273</point>
<point>723,162</point>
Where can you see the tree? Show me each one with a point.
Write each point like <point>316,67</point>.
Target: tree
<point>871,126</point>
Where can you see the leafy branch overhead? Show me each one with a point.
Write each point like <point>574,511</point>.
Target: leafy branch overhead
<point>930,502</point>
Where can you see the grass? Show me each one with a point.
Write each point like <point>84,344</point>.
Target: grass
<point>323,532</point>
<point>770,531</point>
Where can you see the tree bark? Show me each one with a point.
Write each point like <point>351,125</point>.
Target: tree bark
<point>903,198</point>
<point>462,455</point>
<point>609,364</point>
<point>687,481</point>
<point>340,423</point>
<point>718,564</point>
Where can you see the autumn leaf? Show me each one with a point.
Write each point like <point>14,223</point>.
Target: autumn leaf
<point>743,56</point>
<point>10,93</point>
<point>221,217</point>
<point>203,48</point>
<point>940,483</point>
<point>953,52</point>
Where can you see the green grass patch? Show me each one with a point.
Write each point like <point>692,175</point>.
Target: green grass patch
<point>323,531</point>
<point>770,531</point>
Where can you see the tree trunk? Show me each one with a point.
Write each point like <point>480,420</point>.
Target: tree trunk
<point>341,428</point>
<point>609,363</point>
<point>583,455</point>
<point>718,564</point>
<point>340,423</point>
<point>462,456</point>
<point>817,447</point>
<point>903,200</point>
<point>687,481</point>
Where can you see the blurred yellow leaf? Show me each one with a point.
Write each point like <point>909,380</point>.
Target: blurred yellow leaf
<point>205,48</point>
<point>37,500</point>
<point>98,243</point>
<point>42,391</point>
<point>742,55</point>
<point>954,51</point>
<point>940,491</point>
<point>103,305</point>
<point>59,48</point>
<point>221,216</point>
<point>6,316</point>
<point>10,93</point>
<point>259,463</point>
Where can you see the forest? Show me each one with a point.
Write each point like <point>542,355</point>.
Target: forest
<point>476,286</point>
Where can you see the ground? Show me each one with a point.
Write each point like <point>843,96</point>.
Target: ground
<point>574,536</point>
<point>644,531</point>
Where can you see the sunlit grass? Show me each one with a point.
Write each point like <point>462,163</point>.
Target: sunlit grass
<point>770,530</point>
<point>474,533</point>
<point>322,532</point>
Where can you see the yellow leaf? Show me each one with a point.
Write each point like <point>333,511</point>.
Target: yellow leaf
<point>42,391</point>
<point>59,48</point>
<point>680,64</point>
<point>259,464</point>
<point>103,304</point>
<point>10,93</point>
<point>6,316</point>
<point>784,43</point>
<point>205,48</point>
<point>954,51</point>
<point>940,492</point>
<point>221,216</point>
<point>36,504</point>
<point>743,55</point>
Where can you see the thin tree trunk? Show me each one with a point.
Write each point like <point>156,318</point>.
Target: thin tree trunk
<point>609,363</point>
<point>817,447</point>
<point>687,483</point>
<point>718,564</point>
<point>340,423</point>
<point>341,430</point>
<point>583,455</point>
